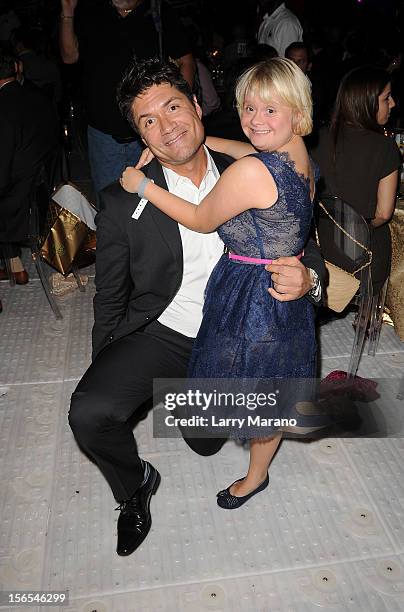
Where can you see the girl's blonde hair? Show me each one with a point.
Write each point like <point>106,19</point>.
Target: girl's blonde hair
<point>284,78</point>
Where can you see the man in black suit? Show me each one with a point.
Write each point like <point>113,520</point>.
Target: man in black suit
<point>150,278</point>
<point>28,137</point>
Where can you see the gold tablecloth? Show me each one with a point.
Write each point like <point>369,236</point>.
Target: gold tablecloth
<point>395,291</point>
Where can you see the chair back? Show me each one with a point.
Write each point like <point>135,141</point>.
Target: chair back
<point>344,235</point>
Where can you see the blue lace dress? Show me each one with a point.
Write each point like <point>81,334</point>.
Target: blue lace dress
<point>245,332</point>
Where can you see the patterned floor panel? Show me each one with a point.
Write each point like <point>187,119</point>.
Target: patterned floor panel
<point>328,533</point>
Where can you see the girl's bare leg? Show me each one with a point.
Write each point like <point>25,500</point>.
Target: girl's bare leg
<point>261,455</point>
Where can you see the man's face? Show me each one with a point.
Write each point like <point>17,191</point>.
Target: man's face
<point>169,124</point>
<point>299,57</point>
<point>125,5</point>
<point>19,71</point>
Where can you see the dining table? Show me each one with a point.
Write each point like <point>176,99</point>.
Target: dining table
<point>395,290</point>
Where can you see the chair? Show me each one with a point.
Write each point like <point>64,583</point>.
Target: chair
<point>376,318</point>
<point>40,193</point>
<point>341,250</point>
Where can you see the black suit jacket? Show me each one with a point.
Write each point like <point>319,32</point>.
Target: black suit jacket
<point>28,137</point>
<point>139,263</point>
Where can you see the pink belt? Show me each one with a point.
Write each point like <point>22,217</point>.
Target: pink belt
<point>255,260</point>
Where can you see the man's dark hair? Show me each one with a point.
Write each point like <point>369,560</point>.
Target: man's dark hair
<point>142,75</point>
<point>296,46</point>
<point>7,63</point>
<point>263,52</point>
<point>30,38</point>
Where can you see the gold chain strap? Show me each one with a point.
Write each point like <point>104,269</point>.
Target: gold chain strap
<point>369,253</point>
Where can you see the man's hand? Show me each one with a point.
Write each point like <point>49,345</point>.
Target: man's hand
<point>290,278</point>
<point>68,7</point>
<point>131,179</point>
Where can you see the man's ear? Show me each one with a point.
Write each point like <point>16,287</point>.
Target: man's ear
<point>19,70</point>
<point>197,106</point>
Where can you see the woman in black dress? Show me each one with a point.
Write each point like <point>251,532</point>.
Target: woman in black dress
<point>358,163</point>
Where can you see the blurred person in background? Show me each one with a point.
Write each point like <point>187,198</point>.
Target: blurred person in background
<point>326,56</point>
<point>238,47</point>
<point>358,163</point>
<point>106,40</point>
<point>299,53</point>
<point>279,26</point>
<point>8,22</point>
<point>38,69</point>
<point>29,136</point>
<point>204,89</point>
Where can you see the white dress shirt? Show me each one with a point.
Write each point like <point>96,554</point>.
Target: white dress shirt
<point>280,29</point>
<point>201,252</point>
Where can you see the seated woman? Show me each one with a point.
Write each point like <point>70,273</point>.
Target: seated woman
<point>358,163</point>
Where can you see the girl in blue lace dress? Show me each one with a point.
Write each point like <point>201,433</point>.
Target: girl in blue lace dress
<point>262,209</point>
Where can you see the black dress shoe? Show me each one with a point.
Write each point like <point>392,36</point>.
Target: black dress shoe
<point>134,521</point>
<point>228,501</point>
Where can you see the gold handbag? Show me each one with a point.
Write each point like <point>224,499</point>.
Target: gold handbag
<point>66,237</point>
<point>342,285</point>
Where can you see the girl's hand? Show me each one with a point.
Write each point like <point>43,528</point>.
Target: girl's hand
<point>131,179</point>
<point>145,158</point>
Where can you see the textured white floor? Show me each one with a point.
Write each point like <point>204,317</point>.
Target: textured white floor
<point>327,534</point>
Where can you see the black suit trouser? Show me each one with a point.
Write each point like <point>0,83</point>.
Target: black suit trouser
<point>112,390</point>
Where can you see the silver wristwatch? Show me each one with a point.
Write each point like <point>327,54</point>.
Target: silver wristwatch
<point>315,291</point>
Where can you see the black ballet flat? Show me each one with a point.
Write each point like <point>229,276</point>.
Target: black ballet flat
<point>228,501</point>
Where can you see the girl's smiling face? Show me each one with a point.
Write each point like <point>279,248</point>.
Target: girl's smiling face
<point>268,125</point>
